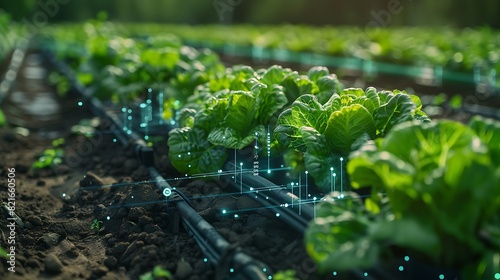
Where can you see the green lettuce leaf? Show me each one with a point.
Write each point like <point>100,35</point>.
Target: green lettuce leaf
<point>191,153</point>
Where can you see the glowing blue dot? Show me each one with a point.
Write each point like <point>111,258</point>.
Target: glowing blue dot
<point>205,260</point>
<point>179,156</point>
<point>129,111</point>
<point>251,189</point>
<point>264,269</point>
<point>341,159</point>
<point>441,276</point>
<point>307,172</point>
<point>124,109</point>
<point>277,214</point>
<point>129,118</point>
<point>286,204</point>
<point>150,89</point>
<point>269,277</point>
<point>231,270</point>
<point>497,275</point>
<point>224,211</point>
<point>108,218</point>
<point>236,216</point>
<point>64,195</point>
<point>366,273</point>
<point>241,163</point>
<point>407,258</point>
<point>314,198</point>
<point>167,192</point>
<point>335,273</point>
<point>172,122</point>
<point>114,140</point>
<point>334,174</point>
<point>80,104</point>
<point>146,137</point>
<point>331,168</point>
<point>401,268</point>
<point>268,171</point>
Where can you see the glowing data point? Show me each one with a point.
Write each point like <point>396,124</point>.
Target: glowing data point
<point>314,198</point>
<point>269,277</point>
<point>179,156</point>
<point>205,260</point>
<point>224,211</point>
<point>341,159</point>
<point>172,122</point>
<point>63,195</point>
<point>241,163</point>
<point>269,171</point>
<point>307,172</point>
<point>150,90</point>
<point>334,174</point>
<point>132,196</point>
<point>108,218</point>
<point>286,204</point>
<point>277,214</point>
<point>251,189</point>
<point>231,270</point>
<point>401,268</point>
<point>331,168</point>
<point>366,273</point>
<point>236,216</point>
<point>167,192</point>
<point>335,273</point>
<point>497,275</point>
<point>264,269</point>
<point>407,258</point>
<point>441,276</point>
<point>114,140</point>
<point>80,104</point>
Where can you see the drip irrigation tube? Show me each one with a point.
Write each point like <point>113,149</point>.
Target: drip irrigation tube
<point>274,198</point>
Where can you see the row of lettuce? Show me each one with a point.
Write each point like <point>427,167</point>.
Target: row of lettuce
<point>434,185</point>
<point>450,48</point>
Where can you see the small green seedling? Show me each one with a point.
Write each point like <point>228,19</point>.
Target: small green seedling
<point>96,224</point>
<point>285,275</point>
<point>158,272</point>
<point>3,253</point>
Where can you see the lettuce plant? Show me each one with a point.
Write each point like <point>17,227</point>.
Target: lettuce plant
<point>328,132</point>
<point>435,193</point>
<point>234,109</point>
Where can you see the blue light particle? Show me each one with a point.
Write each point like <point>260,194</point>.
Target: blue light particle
<point>264,269</point>
<point>366,273</point>
<point>205,260</point>
<point>277,214</point>
<point>335,273</point>
<point>167,192</point>
<point>497,276</point>
<point>236,216</point>
<point>401,268</point>
<point>231,270</point>
<point>224,211</point>
<point>108,218</point>
<point>269,277</point>
<point>114,140</point>
<point>441,276</point>
<point>407,258</point>
<point>80,104</point>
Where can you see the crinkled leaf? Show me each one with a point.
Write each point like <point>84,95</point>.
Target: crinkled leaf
<point>274,75</point>
<point>318,158</point>
<point>296,85</point>
<point>317,72</point>
<point>190,152</point>
<point>327,86</point>
<point>233,139</point>
<point>397,109</point>
<point>269,101</point>
<point>347,125</point>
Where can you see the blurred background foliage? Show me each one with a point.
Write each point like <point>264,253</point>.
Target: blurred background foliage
<point>453,13</point>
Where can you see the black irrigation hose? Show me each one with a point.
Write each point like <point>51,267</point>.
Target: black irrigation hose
<point>273,197</point>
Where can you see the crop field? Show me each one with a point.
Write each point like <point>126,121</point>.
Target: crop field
<point>219,151</point>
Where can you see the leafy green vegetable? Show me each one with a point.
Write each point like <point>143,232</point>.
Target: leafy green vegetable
<point>3,121</point>
<point>328,132</point>
<point>421,174</point>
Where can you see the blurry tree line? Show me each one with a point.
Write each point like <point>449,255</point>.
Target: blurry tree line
<point>457,13</point>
